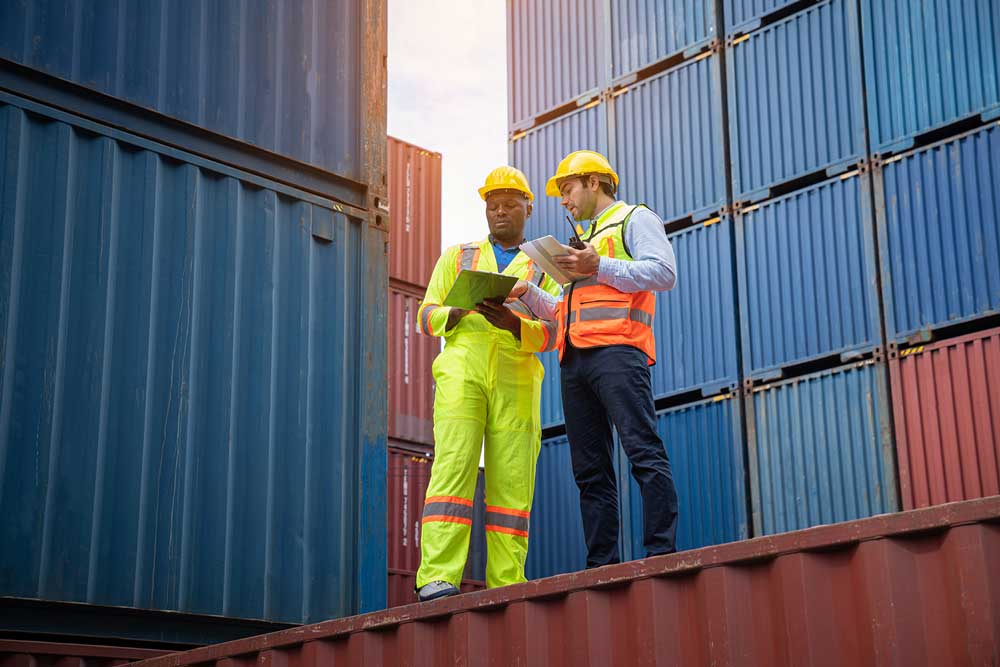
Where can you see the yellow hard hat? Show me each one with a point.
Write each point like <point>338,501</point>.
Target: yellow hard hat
<point>580,163</point>
<point>506,178</point>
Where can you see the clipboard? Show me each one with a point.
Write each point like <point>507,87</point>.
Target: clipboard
<point>542,251</point>
<point>474,287</point>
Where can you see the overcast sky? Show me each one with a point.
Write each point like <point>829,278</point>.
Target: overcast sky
<point>448,93</point>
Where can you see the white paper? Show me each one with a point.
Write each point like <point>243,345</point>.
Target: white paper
<point>542,250</point>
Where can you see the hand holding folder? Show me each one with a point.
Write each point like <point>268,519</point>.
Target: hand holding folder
<point>473,287</point>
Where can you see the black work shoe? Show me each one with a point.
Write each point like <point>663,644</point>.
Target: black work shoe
<point>435,590</point>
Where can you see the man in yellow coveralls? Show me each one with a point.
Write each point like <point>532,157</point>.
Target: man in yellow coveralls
<point>488,383</point>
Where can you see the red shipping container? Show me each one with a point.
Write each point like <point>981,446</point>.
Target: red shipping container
<point>414,211</point>
<point>912,588</point>
<point>408,474</point>
<point>411,383</point>
<point>946,404</point>
<point>15,653</point>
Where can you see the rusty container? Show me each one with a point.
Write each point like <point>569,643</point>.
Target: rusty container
<point>414,176</point>
<point>946,404</point>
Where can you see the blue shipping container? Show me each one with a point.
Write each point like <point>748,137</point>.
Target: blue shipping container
<point>555,55</point>
<point>928,64</point>
<point>938,214</point>
<point>705,444</point>
<point>556,542</point>
<point>668,147</point>
<point>746,15</point>
<point>303,79</point>
<point>821,449</point>
<point>644,32</point>
<point>795,102</point>
<point>807,277</point>
<point>537,153</point>
<point>193,386</point>
<point>695,325</point>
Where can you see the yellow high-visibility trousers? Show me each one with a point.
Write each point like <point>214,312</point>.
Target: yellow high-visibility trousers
<point>485,388</point>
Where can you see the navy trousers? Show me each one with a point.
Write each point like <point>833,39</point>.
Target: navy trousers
<point>600,387</point>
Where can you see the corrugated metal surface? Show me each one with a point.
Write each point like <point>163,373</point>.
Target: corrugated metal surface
<point>668,141</point>
<point>54,654</point>
<point>807,277</point>
<point>705,444</point>
<point>401,588</point>
<point>946,403</point>
<point>411,383</point>
<point>795,103</point>
<point>820,449</point>
<point>913,589</point>
<point>745,15</point>
<point>939,233</point>
<point>285,76</point>
<point>695,323</point>
<point>646,31</point>
<point>556,542</point>
<point>537,154</point>
<point>192,416</point>
<point>927,64</point>
<point>414,211</point>
<point>409,473</point>
<point>556,52</point>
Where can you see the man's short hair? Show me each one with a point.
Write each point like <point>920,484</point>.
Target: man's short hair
<point>606,185</point>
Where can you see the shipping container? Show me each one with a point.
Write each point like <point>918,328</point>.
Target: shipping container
<point>704,442</point>
<point>946,404</point>
<point>743,16</point>
<point>414,211</point>
<point>668,148</point>
<point>556,56</point>
<point>402,590</point>
<point>537,153</point>
<point>15,653</point>
<point>928,64</point>
<point>645,32</point>
<point>795,99</point>
<point>695,324</point>
<point>807,276</point>
<point>303,80</point>
<point>411,383</point>
<point>938,212</point>
<point>918,588</point>
<point>193,381</point>
<point>408,474</point>
<point>820,449</point>
<point>556,543</point>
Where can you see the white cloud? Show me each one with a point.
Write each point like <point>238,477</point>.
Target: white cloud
<point>448,93</point>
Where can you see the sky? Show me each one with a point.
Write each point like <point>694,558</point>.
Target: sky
<point>448,93</point>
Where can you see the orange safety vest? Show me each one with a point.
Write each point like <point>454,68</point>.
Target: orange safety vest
<point>593,314</point>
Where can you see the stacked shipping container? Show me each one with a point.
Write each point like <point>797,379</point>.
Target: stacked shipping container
<point>193,301</point>
<point>828,174</point>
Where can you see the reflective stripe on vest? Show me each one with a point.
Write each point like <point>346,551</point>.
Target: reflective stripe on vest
<point>468,259</point>
<point>597,315</point>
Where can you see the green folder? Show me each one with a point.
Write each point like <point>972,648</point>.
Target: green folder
<point>474,287</point>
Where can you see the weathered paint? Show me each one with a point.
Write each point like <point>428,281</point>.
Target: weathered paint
<point>193,388</point>
<point>556,53</point>
<point>820,449</point>
<point>917,588</point>
<point>411,383</point>
<point>302,79</point>
<point>668,148</point>
<point>938,213</point>
<point>15,653</point>
<point>644,32</point>
<point>795,99</point>
<point>537,153</point>
<point>695,325</point>
<point>807,276</point>
<point>946,404</point>
<point>704,442</point>
<point>414,212</point>
<point>928,64</point>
